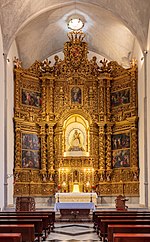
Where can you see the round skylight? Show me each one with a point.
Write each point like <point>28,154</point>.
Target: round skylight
<point>75,24</point>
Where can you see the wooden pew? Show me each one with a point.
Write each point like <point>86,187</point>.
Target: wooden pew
<point>45,220</point>
<point>129,228</point>
<point>26,230</point>
<point>13,237</point>
<point>116,213</point>
<point>117,217</point>
<point>121,237</point>
<point>50,214</point>
<point>38,224</point>
<point>106,222</point>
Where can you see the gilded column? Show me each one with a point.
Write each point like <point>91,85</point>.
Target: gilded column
<point>101,99</point>
<point>134,91</point>
<point>92,148</point>
<point>17,93</point>
<point>43,98</point>
<point>18,146</point>
<point>134,152</point>
<point>61,97</point>
<point>101,151</point>
<point>43,150</point>
<point>108,113</point>
<point>91,98</point>
<point>50,150</point>
<point>50,102</point>
<point>60,140</point>
<point>108,152</point>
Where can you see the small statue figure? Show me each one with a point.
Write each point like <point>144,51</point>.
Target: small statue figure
<point>17,63</point>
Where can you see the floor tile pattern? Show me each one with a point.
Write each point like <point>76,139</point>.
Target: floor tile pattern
<point>73,232</point>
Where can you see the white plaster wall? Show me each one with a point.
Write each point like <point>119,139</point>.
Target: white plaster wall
<point>10,114</point>
<point>148,111</point>
<point>1,123</point>
<point>137,54</point>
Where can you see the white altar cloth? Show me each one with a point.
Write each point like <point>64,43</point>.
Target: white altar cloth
<point>76,197</point>
<point>74,205</point>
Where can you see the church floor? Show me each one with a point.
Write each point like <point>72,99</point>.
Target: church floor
<point>73,232</point>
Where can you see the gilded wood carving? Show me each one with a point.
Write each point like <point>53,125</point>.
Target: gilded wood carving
<point>75,122</point>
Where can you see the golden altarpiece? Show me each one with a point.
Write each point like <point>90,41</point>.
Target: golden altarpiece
<point>75,123</point>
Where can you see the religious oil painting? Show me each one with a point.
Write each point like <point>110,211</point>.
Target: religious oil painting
<point>121,141</point>
<point>76,95</point>
<point>120,97</point>
<point>121,158</point>
<point>30,151</point>
<point>31,98</point>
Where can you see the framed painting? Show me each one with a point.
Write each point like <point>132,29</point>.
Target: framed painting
<point>76,95</point>
<point>121,158</point>
<point>120,97</point>
<point>120,141</point>
<point>30,159</point>
<point>31,98</point>
<point>30,141</point>
<point>30,151</point>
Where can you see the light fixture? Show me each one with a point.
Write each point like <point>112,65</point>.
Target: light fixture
<point>145,51</point>
<point>75,24</point>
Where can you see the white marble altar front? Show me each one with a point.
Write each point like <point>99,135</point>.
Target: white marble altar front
<point>76,197</point>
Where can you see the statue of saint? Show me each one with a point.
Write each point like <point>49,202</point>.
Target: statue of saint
<point>76,144</point>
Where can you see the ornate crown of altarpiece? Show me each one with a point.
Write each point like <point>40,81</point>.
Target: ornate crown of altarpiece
<point>75,122</point>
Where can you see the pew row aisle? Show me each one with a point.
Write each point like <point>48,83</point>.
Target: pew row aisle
<point>42,223</point>
<point>102,220</point>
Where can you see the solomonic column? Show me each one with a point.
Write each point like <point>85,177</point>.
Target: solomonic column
<point>108,102</point>
<point>134,151</point>
<point>108,151</point>
<point>50,99</point>
<point>43,150</point>
<point>50,151</point>
<point>18,147</point>
<point>101,107</point>
<point>101,151</point>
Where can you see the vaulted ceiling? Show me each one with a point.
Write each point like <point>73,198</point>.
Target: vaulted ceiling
<point>40,26</point>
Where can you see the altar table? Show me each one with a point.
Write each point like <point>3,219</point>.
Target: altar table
<point>74,210</point>
<point>76,197</point>
<point>66,205</point>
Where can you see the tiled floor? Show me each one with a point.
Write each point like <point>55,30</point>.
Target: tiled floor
<point>73,232</point>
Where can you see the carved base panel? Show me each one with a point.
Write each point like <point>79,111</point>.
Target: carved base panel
<point>113,189</point>
<point>33,189</point>
<point>103,189</point>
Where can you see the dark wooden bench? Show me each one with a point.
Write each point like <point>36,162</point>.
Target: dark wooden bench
<point>99,226</point>
<point>38,224</point>
<point>26,230</point>
<point>128,228</point>
<point>13,237</point>
<point>50,214</point>
<point>122,237</point>
<point>45,220</point>
<point>116,213</point>
<point>106,222</point>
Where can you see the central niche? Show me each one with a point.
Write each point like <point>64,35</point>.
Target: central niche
<point>76,136</point>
